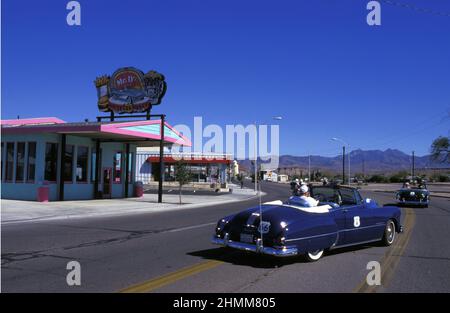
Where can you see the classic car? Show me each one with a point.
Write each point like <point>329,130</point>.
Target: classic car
<point>415,194</point>
<point>342,218</point>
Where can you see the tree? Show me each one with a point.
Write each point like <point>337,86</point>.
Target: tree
<point>182,175</point>
<point>440,149</point>
<point>398,177</point>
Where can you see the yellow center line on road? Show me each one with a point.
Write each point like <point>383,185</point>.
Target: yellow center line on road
<point>388,264</point>
<point>390,260</point>
<point>170,278</point>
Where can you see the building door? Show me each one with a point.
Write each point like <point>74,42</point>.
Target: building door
<point>107,182</point>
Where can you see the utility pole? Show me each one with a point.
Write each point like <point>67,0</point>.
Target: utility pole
<point>363,168</point>
<point>256,157</point>
<point>309,168</point>
<point>343,159</point>
<point>349,178</point>
<point>161,159</point>
<point>413,165</point>
<point>343,164</point>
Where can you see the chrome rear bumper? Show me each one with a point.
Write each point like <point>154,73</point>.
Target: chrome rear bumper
<point>258,248</point>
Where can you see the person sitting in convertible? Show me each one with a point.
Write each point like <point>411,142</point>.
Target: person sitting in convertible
<point>306,197</point>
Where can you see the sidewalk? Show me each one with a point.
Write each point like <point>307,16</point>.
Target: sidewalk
<point>15,211</point>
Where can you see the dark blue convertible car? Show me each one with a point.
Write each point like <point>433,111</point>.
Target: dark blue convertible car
<point>342,218</point>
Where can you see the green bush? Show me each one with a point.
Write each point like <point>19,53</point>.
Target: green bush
<point>441,178</point>
<point>378,179</point>
<point>398,177</point>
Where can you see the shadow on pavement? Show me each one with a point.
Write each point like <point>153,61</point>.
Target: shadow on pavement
<point>237,257</point>
<point>411,206</point>
<point>251,259</point>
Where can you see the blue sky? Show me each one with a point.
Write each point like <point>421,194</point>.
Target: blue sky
<point>315,63</point>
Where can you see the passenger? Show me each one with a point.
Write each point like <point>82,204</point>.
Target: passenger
<point>304,195</point>
<point>295,187</point>
<point>406,185</point>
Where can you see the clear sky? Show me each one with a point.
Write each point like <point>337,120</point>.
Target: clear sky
<point>316,63</point>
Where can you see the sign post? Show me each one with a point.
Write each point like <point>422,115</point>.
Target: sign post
<point>129,90</point>
<point>161,160</point>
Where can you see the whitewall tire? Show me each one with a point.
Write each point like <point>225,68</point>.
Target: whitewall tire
<point>389,233</point>
<point>314,255</point>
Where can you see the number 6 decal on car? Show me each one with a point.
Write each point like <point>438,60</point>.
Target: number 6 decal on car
<point>356,221</point>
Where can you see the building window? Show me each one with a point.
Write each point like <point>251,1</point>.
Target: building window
<point>68,163</point>
<point>82,164</point>
<point>94,164</point>
<point>2,157</point>
<point>130,166</point>
<point>31,161</point>
<point>9,166</point>
<point>117,167</point>
<point>20,162</point>
<point>51,161</point>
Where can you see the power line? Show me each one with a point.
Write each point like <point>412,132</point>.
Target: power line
<point>427,124</point>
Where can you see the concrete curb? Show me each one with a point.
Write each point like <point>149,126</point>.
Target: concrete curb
<point>130,211</point>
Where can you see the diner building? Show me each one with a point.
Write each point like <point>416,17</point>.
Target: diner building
<point>48,159</point>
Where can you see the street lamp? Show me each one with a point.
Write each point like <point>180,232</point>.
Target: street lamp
<point>343,159</point>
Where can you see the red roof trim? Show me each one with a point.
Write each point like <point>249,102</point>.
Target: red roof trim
<point>203,160</point>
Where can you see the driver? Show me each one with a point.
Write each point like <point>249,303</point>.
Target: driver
<point>304,195</point>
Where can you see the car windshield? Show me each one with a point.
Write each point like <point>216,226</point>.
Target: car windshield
<point>325,194</point>
<point>421,184</point>
<point>415,190</point>
<point>340,196</point>
<point>348,196</point>
<point>415,187</point>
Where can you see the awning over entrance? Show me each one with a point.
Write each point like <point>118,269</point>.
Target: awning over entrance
<point>144,133</point>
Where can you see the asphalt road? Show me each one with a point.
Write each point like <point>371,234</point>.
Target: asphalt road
<point>171,252</point>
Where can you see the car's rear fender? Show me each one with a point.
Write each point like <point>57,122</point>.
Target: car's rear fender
<point>394,213</point>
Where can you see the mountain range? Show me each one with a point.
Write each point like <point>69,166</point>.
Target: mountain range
<point>369,161</point>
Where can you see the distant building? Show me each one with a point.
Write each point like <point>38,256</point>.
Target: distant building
<point>269,175</point>
<point>204,167</point>
<point>282,178</point>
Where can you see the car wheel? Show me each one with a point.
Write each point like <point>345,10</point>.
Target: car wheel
<point>314,255</point>
<point>389,233</point>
